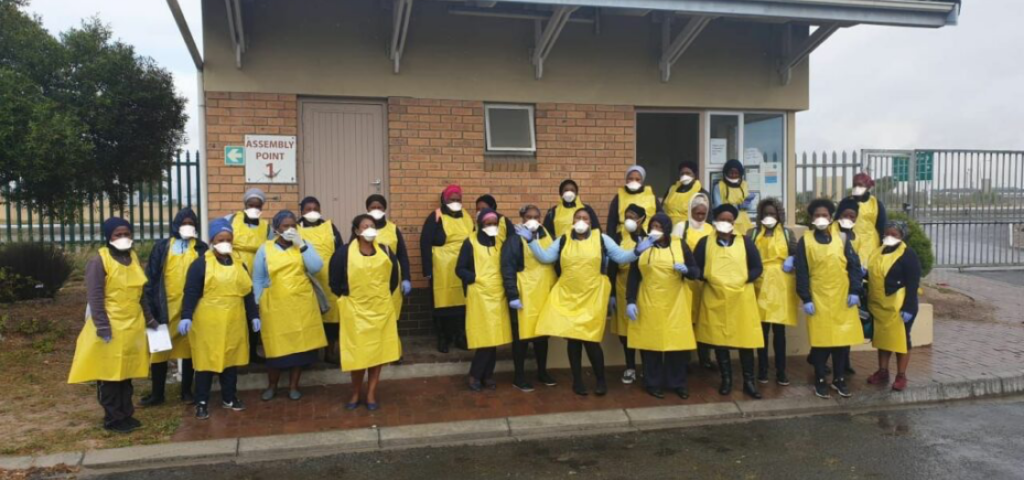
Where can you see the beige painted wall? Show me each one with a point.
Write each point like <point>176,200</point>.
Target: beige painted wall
<point>337,48</point>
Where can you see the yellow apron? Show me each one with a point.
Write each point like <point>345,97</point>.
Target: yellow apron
<point>890,332</point>
<point>447,286</point>
<point>645,200</point>
<point>321,237</point>
<point>488,323</point>
<point>534,284</point>
<point>867,244</point>
<point>175,270</point>
<point>776,290</point>
<point>696,287</point>
<point>677,204</point>
<point>289,311</point>
<point>729,316</point>
<point>127,354</point>
<point>578,303</point>
<point>247,240</point>
<point>664,321</point>
<point>220,329</point>
<point>388,237</point>
<point>736,196</point>
<point>563,217</point>
<point>834,323</point>
<point>369,322</point>
<point>619,320</point>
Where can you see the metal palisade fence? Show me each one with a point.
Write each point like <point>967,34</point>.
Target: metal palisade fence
<point>969,202</point>
<point>150,209</point>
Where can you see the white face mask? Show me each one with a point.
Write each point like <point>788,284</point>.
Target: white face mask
<point>769,222</point>
<point>290,233</point>
<point>858,191</point>
<point>845,223</point>
<point>655,235</point>
<point>455,206</point>
<point>821,223</point>
<point>376,214</point>
<point>581,227</point>
<point>695,224</point>
<point>890,241</point>
<point>122,244</point>
<point>630,225</point>
<point>723,227</point>
<point>369,234</point>
<point>569,196</point>
<point>686,179</point>
<point>253,213</point>
<point>634,186</point>
<point>491,231</point>
<point>312,217</point>
<point>733,181</point>
<point>533,225</point>
<point>187,232</point>
<point>223,248</point>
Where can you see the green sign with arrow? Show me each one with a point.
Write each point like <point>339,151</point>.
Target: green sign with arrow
<point>234,156</point>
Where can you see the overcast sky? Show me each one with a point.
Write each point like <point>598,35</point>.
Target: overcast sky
<point>871,87</point>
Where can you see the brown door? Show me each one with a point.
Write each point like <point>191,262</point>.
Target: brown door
<point>343,157</point>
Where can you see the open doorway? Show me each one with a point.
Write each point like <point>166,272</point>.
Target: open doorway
<point>663,140</point>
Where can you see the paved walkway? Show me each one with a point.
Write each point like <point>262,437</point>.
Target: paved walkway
<point>963,349</point>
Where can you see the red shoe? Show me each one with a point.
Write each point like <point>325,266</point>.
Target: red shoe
<point>880,377</point>
<point>900,383</point>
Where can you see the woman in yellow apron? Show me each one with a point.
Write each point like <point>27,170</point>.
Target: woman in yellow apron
<point>871,218</point>
<point>323,236</point>
<point>729,264</point>
<point>390,236</point>
<point>112,348</point>
<point>776,288</point>
<point>488,325</point>
<point>364,276</point>
<point>441,238</point>
<point>292,328</point>
<point>732,189</point>
<point>505,226</point>
<point>217,309</point>
<point>619,274</point>
<point>527,286</point>
<point>577,306</point>
<point>633,193</point>
<point>895,277</point>
<point>677,199</point>
<point>659,310</point>
<point>558,220</point>
<point>691,231</point>
<point>828,281</point>
<point>845,219</point>
<point>166,270</point>
<point>250,233</point>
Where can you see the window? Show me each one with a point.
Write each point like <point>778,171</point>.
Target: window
<point>509,128</point>
<point>756,139</point>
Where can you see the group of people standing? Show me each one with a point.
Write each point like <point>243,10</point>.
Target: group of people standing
<point>688,271</point>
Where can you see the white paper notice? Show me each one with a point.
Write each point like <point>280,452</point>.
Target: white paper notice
<point>752,156</point>
<point>719,147</point>
<point>159,339</point>
<point>753,179</point>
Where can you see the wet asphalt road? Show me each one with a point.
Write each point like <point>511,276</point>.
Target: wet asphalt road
<point>983,440</point>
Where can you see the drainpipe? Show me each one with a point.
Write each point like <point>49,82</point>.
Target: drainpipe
<point>204,187</point>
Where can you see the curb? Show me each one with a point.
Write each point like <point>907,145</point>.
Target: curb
<point>513,428</point>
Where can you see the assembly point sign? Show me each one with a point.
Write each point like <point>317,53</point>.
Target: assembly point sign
<point>269,159</point>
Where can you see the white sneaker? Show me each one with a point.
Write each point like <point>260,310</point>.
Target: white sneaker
<point>629,376</point>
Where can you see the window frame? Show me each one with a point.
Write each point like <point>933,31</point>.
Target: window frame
<point>510,106</point>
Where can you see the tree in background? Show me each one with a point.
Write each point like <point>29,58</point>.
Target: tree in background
<point>80,115</point>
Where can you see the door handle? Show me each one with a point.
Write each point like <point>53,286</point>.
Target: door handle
<point>376,182</point>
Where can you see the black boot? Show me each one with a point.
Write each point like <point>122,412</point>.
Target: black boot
<point>442,343</point>
<point>725,368</point>
<point>749,387</point>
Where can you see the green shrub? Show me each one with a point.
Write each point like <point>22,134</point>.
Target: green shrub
<point>917,240</point>
<point>13,286</point>
<point>47,266</point>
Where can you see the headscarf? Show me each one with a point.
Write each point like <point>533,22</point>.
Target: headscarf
<point>700,198</point>
<point>376,198</point>
<point>848,203</point>
<point>254,193</point>
<point>184,213</point>
<point>691,165</point>
<point>731,164</point>
<point>774,202</point>
<point>302,204</point>
<point>448,191</point>
<point>482,237</point>
<point>568,181</point>
<point>489,200</point>
<point>111,224</point>
<point>220,225</point>
<point>665,222</point>
<point>484,215</point>
<point>281,216</point>
<point>821,202</point>
<point>900,225</point>
<point>725,207</point>
<point>638,210</point>
<point>638,169</point>
<point>864,178</point>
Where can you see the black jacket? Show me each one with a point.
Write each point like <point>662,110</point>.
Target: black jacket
<point>754,266</point>
<point>803,275</point>
<point>432,235</point>
<point>465,267</point>
<point>155,291</point>
<point>635,277</point>
<point>338,273</point>
<point>905,273</point>
<point>403,251</point>
<point>513,262</point>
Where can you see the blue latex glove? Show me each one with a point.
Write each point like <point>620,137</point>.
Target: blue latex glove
<point>406,287</point>
<point>184,326</point>
<point>853,300</point>
<point>748,202</point>
<point>681,268</point>
<point>809,308</point>
<point>789,264</point>
<point>524,232</point>
<point>631,311</point>
<point>516,304</point>
<point>644,244</point>
<point>907,316</point>
<point>611,305</point>
<point>255,325</point>
<point>864,272</point>
<point>106,339</point>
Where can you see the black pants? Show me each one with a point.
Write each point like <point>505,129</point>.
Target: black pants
<point>779,347</point>
<point>116,400</point>
<point>594,353</point>
<point>630,353</point>
<point>746,359</point>
<point>840,360</point>
<point>450,323</point>
<point>703,354</point>
<point>484,360</point>
<point>158,372</point>
<point>228,385</point>
<point>664,369</point>
<point>520,347</point>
